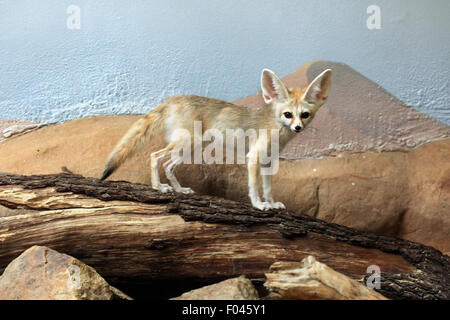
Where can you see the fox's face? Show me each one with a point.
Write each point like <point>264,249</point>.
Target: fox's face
<point>295,108</point>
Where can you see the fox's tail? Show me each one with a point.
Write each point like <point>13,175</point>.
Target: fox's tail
<point>137,136</point>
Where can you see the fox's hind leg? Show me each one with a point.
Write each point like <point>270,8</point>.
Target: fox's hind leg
<point>169,167</point>
<point>155,159</point>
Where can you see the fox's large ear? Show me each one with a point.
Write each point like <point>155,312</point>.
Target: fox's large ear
<point>273,89</point>
<point>318,89</point>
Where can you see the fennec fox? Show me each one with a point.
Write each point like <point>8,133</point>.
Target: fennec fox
<point>287,112</point>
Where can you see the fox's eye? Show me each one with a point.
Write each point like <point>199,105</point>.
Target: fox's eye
<point>288,115</point>
<point>304,115</point>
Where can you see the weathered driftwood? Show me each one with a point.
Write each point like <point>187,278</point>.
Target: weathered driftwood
<point>313,280</point>
<point>132,234</point>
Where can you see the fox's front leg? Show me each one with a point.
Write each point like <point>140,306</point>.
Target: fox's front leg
<point>253,183</point>
<point>267,192</point>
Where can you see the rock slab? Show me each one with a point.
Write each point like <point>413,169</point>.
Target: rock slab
<point>41,273</point>
<point>312,280</point>
<point>239,288</point>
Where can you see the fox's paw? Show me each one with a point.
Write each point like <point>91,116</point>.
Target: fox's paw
<point>278,205</point>
<point>262,205</point>
<point>185,190</point>
<point>165,188</point>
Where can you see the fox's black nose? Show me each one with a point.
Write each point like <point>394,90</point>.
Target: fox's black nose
<point>298,128</point>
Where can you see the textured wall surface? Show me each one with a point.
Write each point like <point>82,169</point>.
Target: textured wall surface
<point>128,56</point>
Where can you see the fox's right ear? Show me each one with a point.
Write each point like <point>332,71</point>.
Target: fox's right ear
<point>273,89</point>
<point>317,91</point>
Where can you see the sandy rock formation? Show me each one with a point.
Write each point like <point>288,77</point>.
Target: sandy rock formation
<point>398,193</point>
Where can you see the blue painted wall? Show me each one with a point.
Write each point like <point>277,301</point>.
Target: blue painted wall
<point>130,55</point>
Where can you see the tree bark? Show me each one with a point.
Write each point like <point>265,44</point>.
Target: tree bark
<point>132,234</point>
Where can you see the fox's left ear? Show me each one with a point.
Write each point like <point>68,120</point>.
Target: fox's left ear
<point>317,91</point>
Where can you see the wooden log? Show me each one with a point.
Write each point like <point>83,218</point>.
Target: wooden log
<point>132,234</point>
<point>312,280</point>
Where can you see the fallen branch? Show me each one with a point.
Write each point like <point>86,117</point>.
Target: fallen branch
<point>132,234</point>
